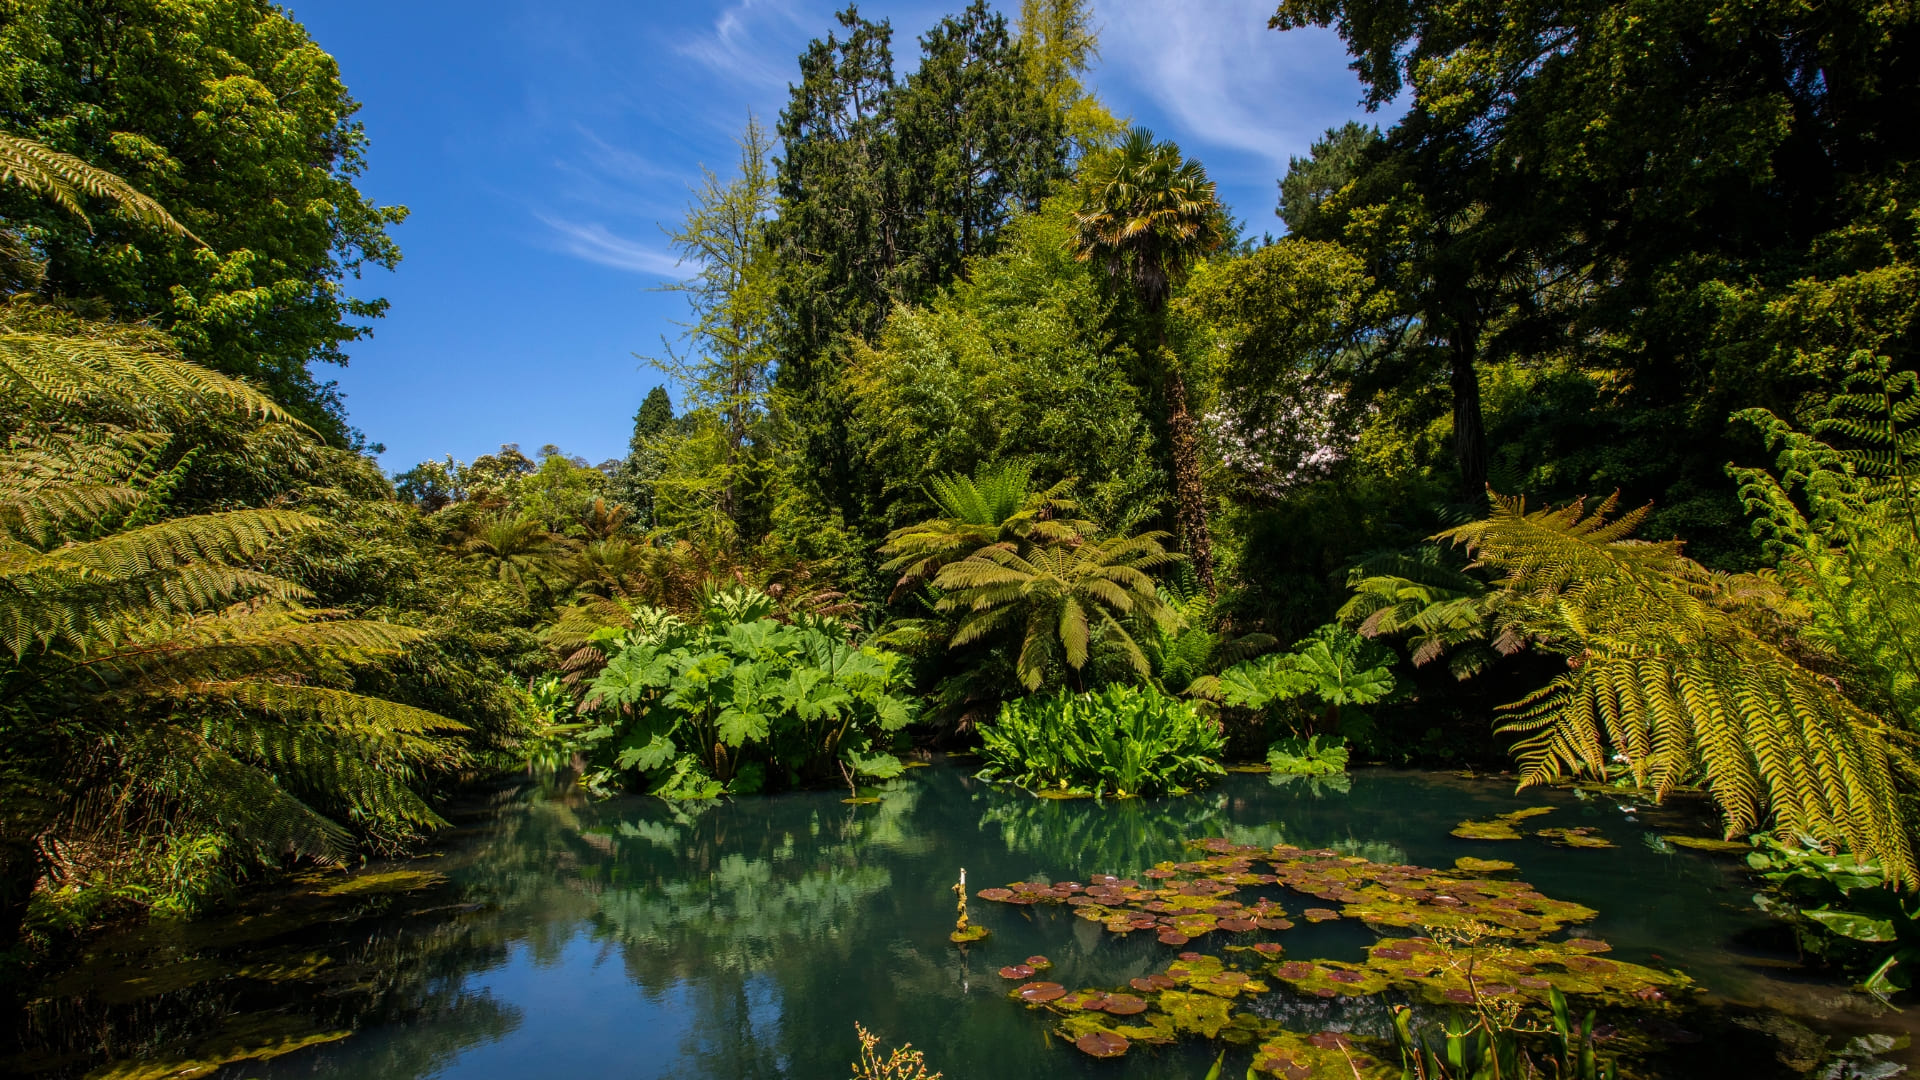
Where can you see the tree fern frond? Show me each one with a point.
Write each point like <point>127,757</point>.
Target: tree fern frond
<point>64,179</point>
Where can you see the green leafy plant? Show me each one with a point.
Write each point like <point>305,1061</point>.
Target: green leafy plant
<point>996,505</point>
<point>736,696</point>
<point>1308,757</point>
<point>1334,665</point>
<point>1063,598</point>
<point>1842,910</point>
<point>1122,740</point>
<point>170,706</point>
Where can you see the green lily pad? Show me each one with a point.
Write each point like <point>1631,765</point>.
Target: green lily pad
<point>1470,865</point>
<point>1708,843</point>
<point>1293,1056</point>
<point>970,934</point>
<point>1582,837</point>
<point>1500,826</point>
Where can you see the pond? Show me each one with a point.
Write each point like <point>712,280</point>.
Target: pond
<point>556,935</point>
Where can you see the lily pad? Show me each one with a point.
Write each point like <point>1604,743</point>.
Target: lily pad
<point>1582,837</point>
<point>1102,1044</point>
<point>1123,1005</point>
<point>1294,1056</point>
<point>1039,963</point>
<point>1016,971</point>
<point>970,934</point>
<point>1036,993</point>
<point>1500,826</point>
<point>1708,843</point>
<point>1470,865</point>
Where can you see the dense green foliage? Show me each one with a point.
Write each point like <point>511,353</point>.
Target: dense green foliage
<point>1120,741</point>
<point>990,428</point>
<point>225,112</point>
<point>736,700</point>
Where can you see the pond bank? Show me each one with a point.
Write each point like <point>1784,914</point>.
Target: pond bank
<point>551,934</point>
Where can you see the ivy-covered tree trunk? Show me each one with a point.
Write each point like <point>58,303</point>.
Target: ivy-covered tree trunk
<point>1469,427</point>
<point>1189,497</point>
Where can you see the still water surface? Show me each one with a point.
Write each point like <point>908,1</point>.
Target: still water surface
<point>557,936</point>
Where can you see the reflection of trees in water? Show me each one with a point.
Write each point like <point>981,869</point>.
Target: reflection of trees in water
<point>285,969</point>
<point>1077,838</point>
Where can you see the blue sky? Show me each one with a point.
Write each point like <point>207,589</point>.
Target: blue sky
<point>542,145</point>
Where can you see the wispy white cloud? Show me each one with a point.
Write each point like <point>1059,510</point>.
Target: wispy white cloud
<point>1221,78</point>
<point>596,243</point>
<point>750,42</point>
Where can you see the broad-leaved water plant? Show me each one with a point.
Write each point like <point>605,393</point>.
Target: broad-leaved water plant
<point>738,700</point>
<point>1120,741</point>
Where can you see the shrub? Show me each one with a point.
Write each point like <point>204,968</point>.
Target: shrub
<point>738,698</point>
<point>1123,741</point>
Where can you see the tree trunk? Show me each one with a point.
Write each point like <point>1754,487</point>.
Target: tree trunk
<point>1469,430</point>
<point>20,869</point>
<point>1190,499</point>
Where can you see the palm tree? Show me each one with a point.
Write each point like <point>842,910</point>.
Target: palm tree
<point>994,506</point>
<point>1065,596</point>
<point>1145,215</point>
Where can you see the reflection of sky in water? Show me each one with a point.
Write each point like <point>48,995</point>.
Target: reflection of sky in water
<point>630,938</point>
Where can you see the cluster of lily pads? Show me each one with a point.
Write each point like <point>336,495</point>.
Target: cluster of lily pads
<point>1409,906</point>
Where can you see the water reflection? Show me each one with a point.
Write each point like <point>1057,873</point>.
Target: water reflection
<point>633,938</point>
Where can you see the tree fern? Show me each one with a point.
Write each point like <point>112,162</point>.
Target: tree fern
<point>152,656</point>
<point>1674,670</point>
<point>1060,597</point>
<point>996,505</point>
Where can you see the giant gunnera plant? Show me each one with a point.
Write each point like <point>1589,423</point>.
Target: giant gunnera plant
<point>737,700</point>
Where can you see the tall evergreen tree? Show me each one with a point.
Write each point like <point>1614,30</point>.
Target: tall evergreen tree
<point>634,484</point>
<point>985,141</point>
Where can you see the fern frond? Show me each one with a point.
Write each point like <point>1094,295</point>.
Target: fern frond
<point>64,179</point>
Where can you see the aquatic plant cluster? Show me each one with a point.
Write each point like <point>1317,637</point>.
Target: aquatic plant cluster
<point>1423,915</point>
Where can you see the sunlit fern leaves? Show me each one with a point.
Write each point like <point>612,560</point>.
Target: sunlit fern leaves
<point>1674,670</point>
<point>1061,599</point>
<point>64,180</point>
<point>150,655</point>
<point>1844,529</point>
<point>55,376</point>
<point>1434,604</point>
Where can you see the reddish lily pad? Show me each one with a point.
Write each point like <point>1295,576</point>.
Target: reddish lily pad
<point>1016,971</point>
<point>1124,1005</point>
<point>1038,992</point>
<point>995,894</point>
<point>1320,914</point>
<point>1102,1044</point>
<point>1039,963</point>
